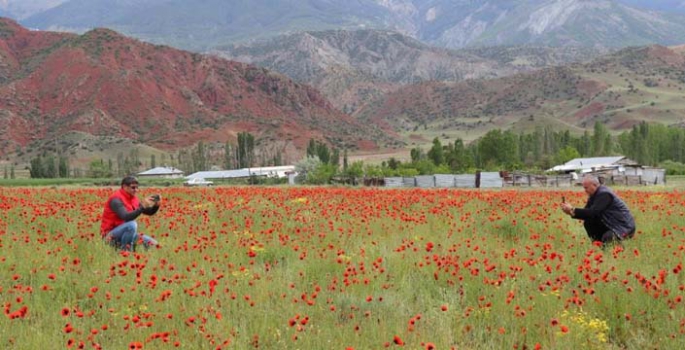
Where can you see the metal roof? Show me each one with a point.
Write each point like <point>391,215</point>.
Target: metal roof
<point>245,172</point>
<point>584,164</point>
<point>161,170</point>
<point>220,174</point>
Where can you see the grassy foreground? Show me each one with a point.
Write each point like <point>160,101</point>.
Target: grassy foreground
<point>313,268</point>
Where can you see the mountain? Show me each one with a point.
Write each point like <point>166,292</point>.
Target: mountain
<point>21,9</point>
<point>104,84</point>
<point>354,67</point>
<point>603,23</point>
<point>205,24</point>
<point>199,24</point>
<point>619,90</point>
<point>674,6</point>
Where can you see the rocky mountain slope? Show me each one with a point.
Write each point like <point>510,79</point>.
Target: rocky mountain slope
<point>104,84</point>
<point>353,68</point>
<point>20,9</point>
<point>205,24</point>
<point>620,90</point>
<point>674,6</point>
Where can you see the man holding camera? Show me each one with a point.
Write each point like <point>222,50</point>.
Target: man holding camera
<point>606,217</point>
<point>118,226</point>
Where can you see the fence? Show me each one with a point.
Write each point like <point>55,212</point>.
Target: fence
<point>505,179</point>
<point>480,180</point>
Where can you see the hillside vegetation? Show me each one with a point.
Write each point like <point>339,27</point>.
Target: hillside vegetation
<point>352,68</point>
<point>107,85</point>
<point>619,90</point>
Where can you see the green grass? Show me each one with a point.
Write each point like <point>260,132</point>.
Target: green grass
<point>302,268</point>
<point>83,182</point>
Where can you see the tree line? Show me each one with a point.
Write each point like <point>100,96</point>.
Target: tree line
<point>647,144</point>
<point>541,149</point>
<point>201,157</point>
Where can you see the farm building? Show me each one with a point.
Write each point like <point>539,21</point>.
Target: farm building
<point>162,172</point>
<point>273,172</point>
<point>617,170</point>
<point>584,165</point>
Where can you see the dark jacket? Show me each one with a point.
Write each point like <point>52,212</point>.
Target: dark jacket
<point>603,212</point>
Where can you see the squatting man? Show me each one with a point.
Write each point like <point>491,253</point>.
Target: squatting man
<point>606,217</point>
<point>118,226</point>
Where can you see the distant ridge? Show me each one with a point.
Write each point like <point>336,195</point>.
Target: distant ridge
<point>202,25</point>
<point>353,68</point>
<point>105,84</point>
<point>620,90</point>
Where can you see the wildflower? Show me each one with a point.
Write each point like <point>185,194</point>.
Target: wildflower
<point>135,345</point>
<point>397,340</point>
<point>68,328</point>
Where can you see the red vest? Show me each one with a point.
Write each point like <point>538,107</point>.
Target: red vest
<point>110,220</point>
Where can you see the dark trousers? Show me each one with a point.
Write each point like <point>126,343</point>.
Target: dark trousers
<point>610,236</point>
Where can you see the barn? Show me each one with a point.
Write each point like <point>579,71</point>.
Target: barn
<point>617,170</point>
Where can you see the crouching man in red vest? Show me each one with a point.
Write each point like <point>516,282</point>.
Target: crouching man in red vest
<point>118,226</point>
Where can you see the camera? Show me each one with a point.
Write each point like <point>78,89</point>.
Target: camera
<point>155,197</point>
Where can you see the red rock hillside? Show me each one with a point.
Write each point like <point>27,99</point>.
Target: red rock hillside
<point>105,84</point>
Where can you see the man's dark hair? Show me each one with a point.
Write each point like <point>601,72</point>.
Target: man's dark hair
<point>128,180</point>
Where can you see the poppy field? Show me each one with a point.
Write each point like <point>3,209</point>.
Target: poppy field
<point>340,268</point>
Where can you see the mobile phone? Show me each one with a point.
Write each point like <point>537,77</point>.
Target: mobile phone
<point>155,197</point>
<point>563,199</point>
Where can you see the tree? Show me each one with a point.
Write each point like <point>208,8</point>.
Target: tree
<point>372,170</point>
<point>49,167</point>
<point>585,144</point>
<point>436,153</point>
<point>498,148</point>
<point>229,160</point>
<point>98,169</point>
<point>355,170</point>
<point>311,148</point>
<point>416,154</point>
<point>126,165</point>
<point>245,149</point>
<point>134,161</point>
<point>323,153</point>
<point>335,158</point>
<point>424,166</point>
<point>458,158</point>
<point>36,169</point>
<point>200,157</point>
<point>566,154</point>
<point>153,163</point>
<point>184,160</point>
<point>394,163</point>
<point>63,167</point>
<point>345,160</point>
<point>599,139</point>
<point>608,145</point>
<point>319,149</point>
<point>120,164</point>
<point>313,171</point>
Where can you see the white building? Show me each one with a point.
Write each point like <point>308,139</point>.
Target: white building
<point>273,172</point>
<point>162,172</point>
<point>617,170</point>
<point>586,165</point>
